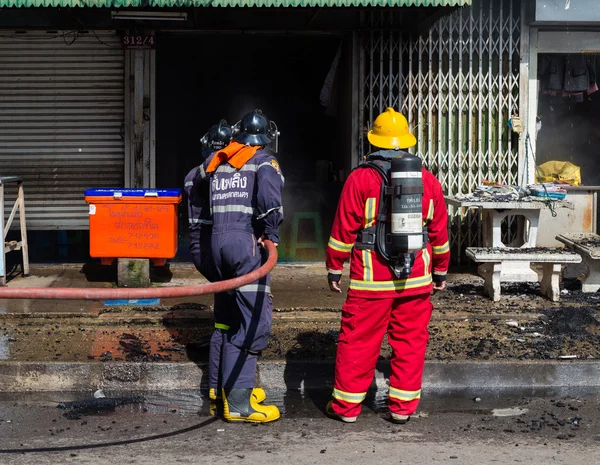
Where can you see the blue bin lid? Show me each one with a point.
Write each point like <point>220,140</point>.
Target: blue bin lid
<point>115,192</point>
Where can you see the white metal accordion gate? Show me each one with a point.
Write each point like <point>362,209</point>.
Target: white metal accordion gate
<point>458,85</point>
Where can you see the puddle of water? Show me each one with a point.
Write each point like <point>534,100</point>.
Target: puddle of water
<point>305,404</point>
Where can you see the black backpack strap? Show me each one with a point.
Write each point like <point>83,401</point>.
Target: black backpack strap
<point>366,239</point>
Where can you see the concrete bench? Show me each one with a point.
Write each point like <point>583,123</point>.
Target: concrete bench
<point>550,258</point>
<point>588,246</point>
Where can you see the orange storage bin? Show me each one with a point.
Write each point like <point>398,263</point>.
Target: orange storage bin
<point>133,223</point>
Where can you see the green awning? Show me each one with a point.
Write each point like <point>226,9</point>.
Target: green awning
<point>70,3</point>
<point>226,3</point>
<point>330,3</point>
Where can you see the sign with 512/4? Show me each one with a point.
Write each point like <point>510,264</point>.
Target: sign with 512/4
<point>139,41</point>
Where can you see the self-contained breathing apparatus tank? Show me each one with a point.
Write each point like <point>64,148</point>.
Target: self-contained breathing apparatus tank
<point>406,191</point>
<point>400,239</point>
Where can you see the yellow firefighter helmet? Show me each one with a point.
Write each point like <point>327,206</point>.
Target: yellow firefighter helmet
<point>390,131</point>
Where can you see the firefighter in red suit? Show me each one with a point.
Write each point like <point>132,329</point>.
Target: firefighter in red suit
<point>378,301</point>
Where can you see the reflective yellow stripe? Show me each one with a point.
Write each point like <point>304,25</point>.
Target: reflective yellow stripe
<point>367,260</point>
<point>426,261</point>
<point>339,246</point>
<point>396,285</point>
<point>404,395</point>
<point>370,205</point>
<point>351,397</point>
<point>439,249</point>
<point>221,326</point>
<point>430,211</point>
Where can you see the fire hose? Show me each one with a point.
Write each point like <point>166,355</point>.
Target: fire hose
<point>70,293</point>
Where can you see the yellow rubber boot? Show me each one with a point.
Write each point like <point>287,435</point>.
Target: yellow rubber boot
<point>259,394</point>
<point>241,405</point>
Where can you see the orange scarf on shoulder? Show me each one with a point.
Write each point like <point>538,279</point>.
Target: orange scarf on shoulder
<point>236,154</point>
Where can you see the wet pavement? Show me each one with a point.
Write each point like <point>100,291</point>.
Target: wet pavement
<point>549,425</point>
<point>177,428</point>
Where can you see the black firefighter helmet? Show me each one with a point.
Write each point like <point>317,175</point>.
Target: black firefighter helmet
<point>254,129</point>
<point>218,136</point>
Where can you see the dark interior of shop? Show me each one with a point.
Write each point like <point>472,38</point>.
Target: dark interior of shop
<point>569,120</point>
<point>203,78</point>
<point>568,127</point>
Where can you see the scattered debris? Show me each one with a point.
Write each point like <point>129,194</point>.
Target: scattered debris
<point>509,412</point>
<point>96,405</point>
<point>491,193</point>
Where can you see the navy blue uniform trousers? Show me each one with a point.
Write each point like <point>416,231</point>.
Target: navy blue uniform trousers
<point>248,315</point>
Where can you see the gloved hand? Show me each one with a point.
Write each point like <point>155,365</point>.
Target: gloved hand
<point>439,286</point>
<point>261,241</point>
<point>334,282</point>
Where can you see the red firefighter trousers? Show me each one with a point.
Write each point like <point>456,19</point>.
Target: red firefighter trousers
<point>364,323</point>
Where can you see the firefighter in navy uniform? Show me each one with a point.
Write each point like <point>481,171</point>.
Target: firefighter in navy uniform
<point>246,205</point>
<point>196,192</point>
<point>380,299</point>
<point>200,223</point>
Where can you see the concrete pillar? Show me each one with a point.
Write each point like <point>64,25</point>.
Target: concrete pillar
<point>140,118</point>
<point>133,272</point>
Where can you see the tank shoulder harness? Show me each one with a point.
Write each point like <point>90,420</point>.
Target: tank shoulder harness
<point>366,239</point>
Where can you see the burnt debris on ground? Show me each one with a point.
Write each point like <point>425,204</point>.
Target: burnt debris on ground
<point>76,409</point>
<point>466,325</point>
<point>523,250</point>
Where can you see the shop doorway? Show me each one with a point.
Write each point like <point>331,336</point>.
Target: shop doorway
<point>565,134</point>
<point>569,112</point>
<point>202,78</point>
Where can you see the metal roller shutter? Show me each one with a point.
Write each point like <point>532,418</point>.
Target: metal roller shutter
<point>61,120</point>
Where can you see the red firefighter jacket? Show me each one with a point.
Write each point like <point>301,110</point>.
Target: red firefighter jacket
<point>370,273</point>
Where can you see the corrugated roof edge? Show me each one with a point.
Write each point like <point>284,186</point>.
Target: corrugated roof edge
<point>230,3</point>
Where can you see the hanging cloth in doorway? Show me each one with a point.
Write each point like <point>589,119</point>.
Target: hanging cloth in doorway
<point>570,76</point>
<point>329,91</point>
<point>236,154</point>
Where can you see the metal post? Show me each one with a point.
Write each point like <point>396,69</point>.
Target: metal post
<point>472,130</point>
<point>532,107</point>
<point>2,251</point>
<point>459,113</point>
<point>357,99</point>
<point>490,93</point>
<point>523,92</point>
<point>138,106</point>
<point>500,121</point>
<point>152,97</point>
<point>430,78</point>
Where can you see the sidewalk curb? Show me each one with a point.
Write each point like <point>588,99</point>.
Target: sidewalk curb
<point>440,377</point>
